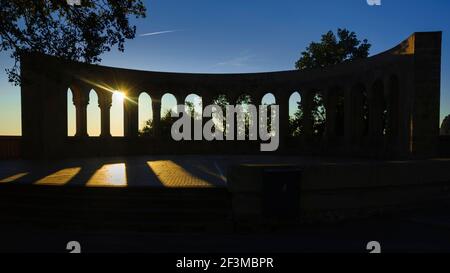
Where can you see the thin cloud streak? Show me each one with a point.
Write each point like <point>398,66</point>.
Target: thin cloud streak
<point>158,33</point>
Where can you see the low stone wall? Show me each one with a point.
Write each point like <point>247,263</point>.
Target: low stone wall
<point>10,147</point>
<point>330,192</point>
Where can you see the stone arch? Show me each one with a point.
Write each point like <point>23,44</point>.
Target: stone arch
<point>295,114</point>
<point>145,111</point>
<point>340,112</point>
<point>359,112</point>
<point>117,114</point>
<point>268,99</point>
<point>393,107</point>
<point>168,103</point>
<point>378,109</point>
<point>196,102</point>
<point>71,114</point>
<point>222,100</point>
<point>93,114</point>
<point>319,113</point>
<point>246,101</point>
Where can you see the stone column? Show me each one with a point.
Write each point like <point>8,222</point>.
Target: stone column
<point>375,114</point>
<point>131,115</point>
<point>156,110</point>
<point>105,102</point>
<point>349,111</point>
<point>81,101</point>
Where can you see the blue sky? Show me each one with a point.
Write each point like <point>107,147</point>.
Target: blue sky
<point>232,36</point>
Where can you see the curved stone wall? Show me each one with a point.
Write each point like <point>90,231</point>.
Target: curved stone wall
<point>388,104</point>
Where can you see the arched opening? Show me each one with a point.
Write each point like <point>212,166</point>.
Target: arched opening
<point>340,113</point>
<point>168,106</point>
<point>116,118</point>
<point>268,99</point>
<point>378,110</point>
<point>295,114</point>
<point>71,115</point>
<point>145,113</point>
<point>194,106</point>
<point>319,115</point>
<point>222,101</point>
<point>249,116</point>
<point>93,115</point>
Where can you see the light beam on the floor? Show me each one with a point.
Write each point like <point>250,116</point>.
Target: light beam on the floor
<point>59,178</point>
<point>173,175</point>
<point>12,178</point>
<point>109,175</point>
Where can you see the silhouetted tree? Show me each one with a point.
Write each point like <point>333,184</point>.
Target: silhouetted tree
<point>222,101</point>
<point>331,50</point>
<point>80,33</point>
<point>165,125</point>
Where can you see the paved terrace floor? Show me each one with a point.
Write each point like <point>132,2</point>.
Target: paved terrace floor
<point>141,171</point>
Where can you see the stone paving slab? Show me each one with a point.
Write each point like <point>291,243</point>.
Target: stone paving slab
<point>145,171</point>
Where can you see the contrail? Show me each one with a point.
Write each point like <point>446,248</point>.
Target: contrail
<point>157,33</point>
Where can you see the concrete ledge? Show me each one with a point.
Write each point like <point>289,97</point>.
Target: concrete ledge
<point>341,190</point>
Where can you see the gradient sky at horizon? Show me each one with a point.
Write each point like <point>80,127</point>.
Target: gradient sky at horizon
<point>236,36</point>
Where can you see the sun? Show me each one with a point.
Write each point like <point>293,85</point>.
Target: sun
<point>119,95</point>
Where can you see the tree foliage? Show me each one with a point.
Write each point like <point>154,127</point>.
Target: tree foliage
<point>333,50</point>
<point>79,33</point>
<point>165,124</point>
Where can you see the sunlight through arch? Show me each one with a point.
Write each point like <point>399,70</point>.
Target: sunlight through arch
<point>116,120</point>
<point>145,110</point>
<point>71,114</point>
<point>294,103</point>
<point>93,115</point>
<point>168,103</point>
<point>268,99</point>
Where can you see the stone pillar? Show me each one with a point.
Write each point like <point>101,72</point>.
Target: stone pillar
<point>426,94</point>
<point>376,96</point>
<point>349,111</point>
<point>283,102</point>
<point>131,115</point>
<point>181,98</point>
<point>156,110</point>
<point>307,105</point>
<point>105,102</point>
<point>405,121</point>
<point>81,101</point>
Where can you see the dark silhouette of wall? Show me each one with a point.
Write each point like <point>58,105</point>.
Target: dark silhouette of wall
<point>401,88</point>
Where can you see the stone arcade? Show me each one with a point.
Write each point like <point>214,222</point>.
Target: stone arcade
<point>401,88</point>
